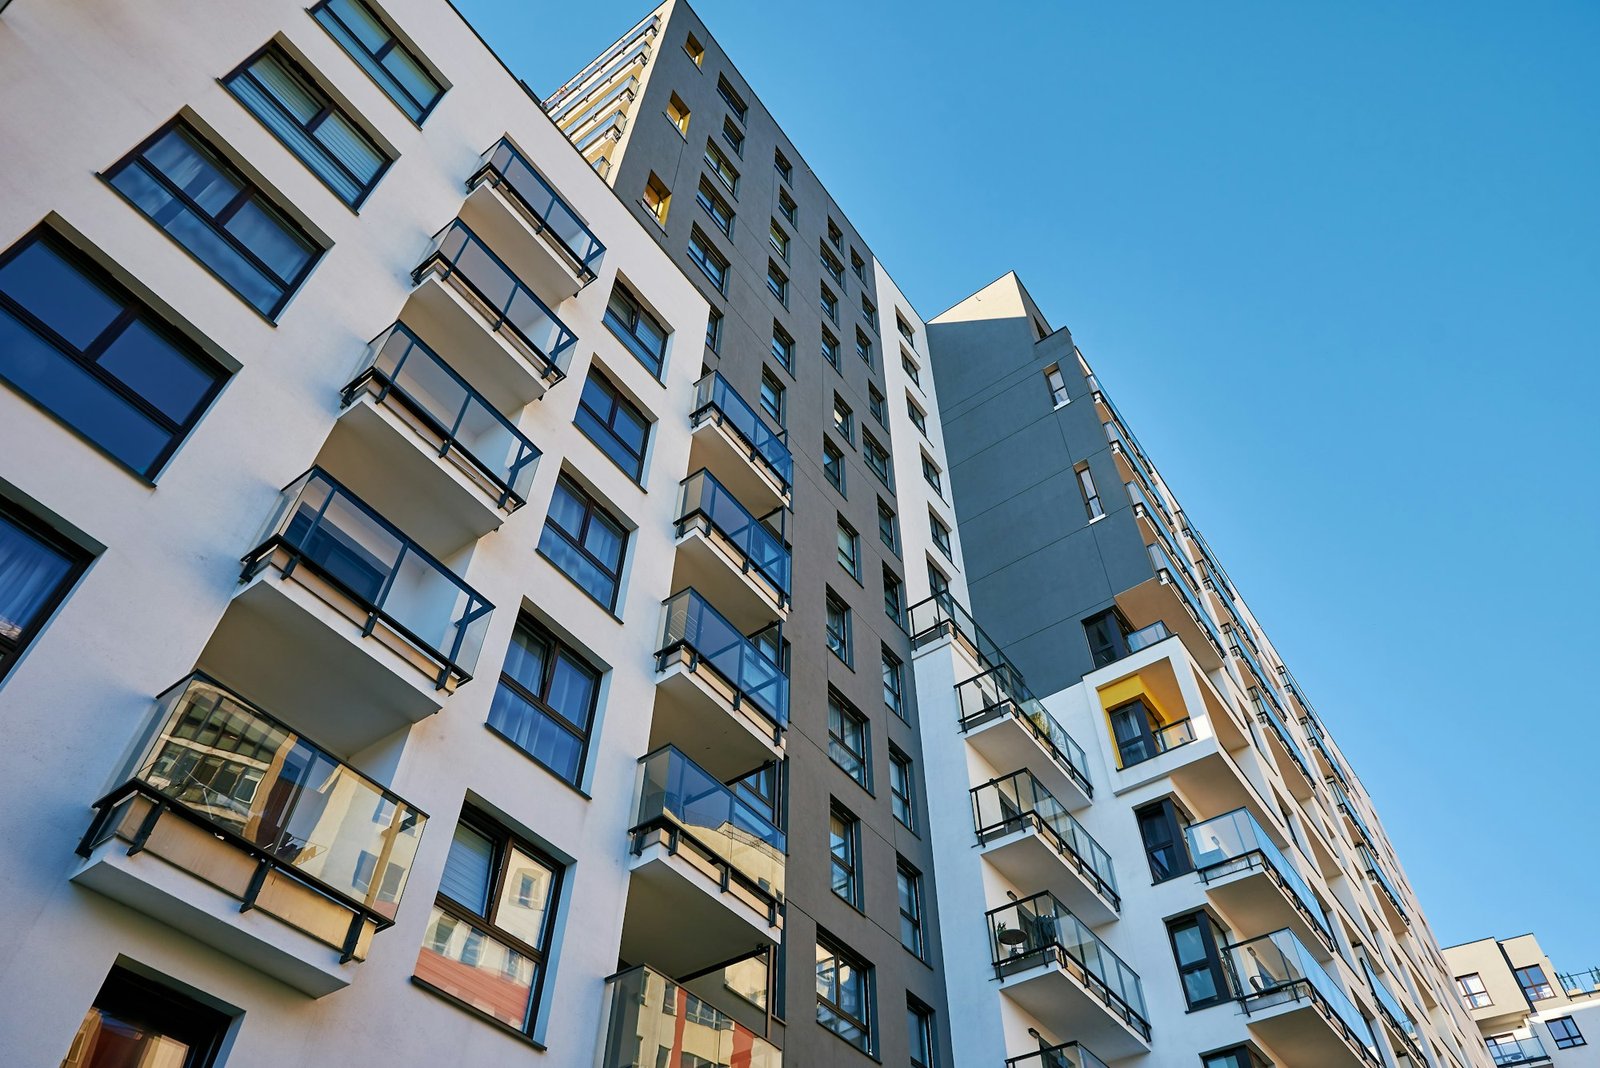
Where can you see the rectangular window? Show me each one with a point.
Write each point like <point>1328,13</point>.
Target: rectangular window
<point>941,535</point>
<point>693,49</point>
<point>206,205</point>
<point>731,97</point>
<point>137,1021</point>
<point>781,164</point>
<point>830,349</point>
<point>900,788</point>
<point>904,328</point>
<point>1196,946</point>
<point>844,848</point>
<point>280,93</point>
<point>546,700</point>
<point>734,136</point>
<point>828,303</point>
<point>869,312</point>
<point>1161,830</point>
<point>848,746</point>
<point>858,265</point>
<point>848,550</point>
<point>844,420</point>
<point>1473,991</point>
<point>893,596</point>
<point>1057,384</point>
<point>584,541</point>
<point>886,528</point>
<point>894,684</point>
<point>831,265</point>
<point>844,994</point>
<point>1564,1029</point>
<point>778,283</point>
<point>714,331</point>
<point>1533,983</point>
<point>909,365</point>
<point>938,581</point>
<point>614,423</point>
<point>838,626</point>
<point>876,405</point>
<point>877,458</point>
<point>863,347</point>
<point>378,51</point>
<point>713,264</point>
<point>37,568</point>
<point>657,199</point>
<point>678,114</point>
<point>788,208</point>
<point>640,332</point>
<point>919,1026</point>
<point>772,396</point>
<point>782,346</point>
<point>932,475</point>
<point>491,924</point>
<point>1235,1057</point>
<point>725,172</point>
<point>919,418</point>
<point>1091,496</point>
<point>908,883</point>
<point>835,235</point>
<point>92,355</point>
<point>833,465</point>
<point>778,238</point>
<point>715,207</point>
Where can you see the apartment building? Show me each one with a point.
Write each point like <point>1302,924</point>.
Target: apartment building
<point>1162,856</point>
<point>1528,1012</point>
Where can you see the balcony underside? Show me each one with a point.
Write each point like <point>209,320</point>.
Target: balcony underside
<point>1155,601</point>
<point>714,446</point>
<point>679,916</point>
<point>708,562</point>
<point>1247,893</point>
<point>698,712</point>
<point>522,240</point>
<point>1006,740</point>
<point>1060,1002</point>
<point>1028,860</point>
<point>1299,1032</point>
<point>450,324</point>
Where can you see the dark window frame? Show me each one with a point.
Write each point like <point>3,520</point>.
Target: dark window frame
<point>1212,961</point>
<point>394,44</point>
<point>902,788</point>
<point>1163,816</point>
<point>701,250</point>
<point>893,668</point>
<point>850,716</point>
<point>1570,1037</point>
<point>606,421</point>
<point>848,862</point>
<point>627,331</point>
<point>842,646</point>
<point>866,1022</point>
<point>731,97</point>
<point>126,995</point>
<point>556,650</point>
<point>1531,987</point>
<point>905,869</point>
<point>77,561</point>
<point>591,507</point>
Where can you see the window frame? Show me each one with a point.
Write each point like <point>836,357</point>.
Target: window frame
<point>681,123</point>
<point>833,461</point>
<point>933,475</point>
<point>1212,961</point>
<point>627,331</point>
<point>1529,987</point>
<point>718,210</point>
<point>864,347</point>
<point>77,561</point>
<point>847,548</point>
<point>620,403</point>
<point>1571,1036</point>
<point>718,161</point>
<point>939,530</point>
<point>395,44</point>
<point>777,409</point>
<point>777,282</point>
<point>829,948</point>
<point>731,97</point>
<point>919,418</point>
<point>126,995</point>
<point>878,460</point>
<point>830,350</point>
<point>845,639</point>
<point>654,186</point>
<point>707,251</point>
<point>782,346</point>
<point>1056,382</point>
<point>781,164</point>
<point>1084,477</point>
<point>1163,815</point>
<point>788,208</point>
<point>779,240</point>
<point>894,682</point>
<point>849,861</point>
<point>844,420</point>
<point>888,527</point>
<point>921,1034</point>
<point>894,597</point>
<point>852,720</point>
<point>732,134</point>
<point>592,508</point>
<point>912,879</point>
<point>714,330</point>
<point>902,789</point>
<point>556,650</point>
<point>1470,996</point>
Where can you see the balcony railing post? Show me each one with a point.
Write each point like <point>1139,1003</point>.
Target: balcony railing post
<point>147,827</point>
<point>258,879</point>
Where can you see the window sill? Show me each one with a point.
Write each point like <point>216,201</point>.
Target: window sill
<point>574,787</point>
<point>499,1025</point>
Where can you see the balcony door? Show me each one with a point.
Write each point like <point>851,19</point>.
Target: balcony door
<point>1131,726</point>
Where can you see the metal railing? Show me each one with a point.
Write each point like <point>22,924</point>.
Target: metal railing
<point>676,790</point>
<point>715,399</point>
<point>989,696</point>
<point>506,168</point>
<point>1276,968</point>
<point>1509,1052</point>
<point>1396,1014</point>
<point>1163,739</point>
<point>1232,841</point>
<point>653,1020</point>
<point>1066,1055</point>
<point>1019,801</point>
<point>691,624</point>
<point>705,500</point>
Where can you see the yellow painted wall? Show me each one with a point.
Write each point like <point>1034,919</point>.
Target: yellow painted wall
<point>1120,693</point>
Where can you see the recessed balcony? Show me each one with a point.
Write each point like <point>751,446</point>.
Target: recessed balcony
<point>237,831</point>
<point>1250,878</point>
<point>1056,969</point>
<point>1401,1024</point>
<point>468,302</point>
<point>1031,839</point>
<point>730,439</point>
<point>708,870</point>
<point>738,561</point>
<point>1011,729</point>
<point>1169,597</point>
<point>426,449</point>
<point>716,689</point>
<point>652,1020</point>
<point>346,620</point>
<point>1294,1006</point>
<point>1066,1055</point>
<point>1389,899</point>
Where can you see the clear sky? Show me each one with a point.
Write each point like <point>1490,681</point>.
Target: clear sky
<point>1339,265</point>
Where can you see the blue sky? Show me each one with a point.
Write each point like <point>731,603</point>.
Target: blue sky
<point>1339,266</point>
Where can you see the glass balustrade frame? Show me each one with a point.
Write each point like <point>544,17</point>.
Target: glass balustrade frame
<point>989,695</point>
<point>1074,843</point>
<point>678,639</point>
<point>504,167</point>
<point>715,398</point>
<point>750,538</point>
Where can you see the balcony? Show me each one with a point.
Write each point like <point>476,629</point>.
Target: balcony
<point>708,870</point>
<point>1402,1025</point>
<point>500,336</point>
<point>1509,1052</point>
<point>1058,970</point>
<point>942,615</point>
<point>1296,1007</point>
<point>235,830</point>
<point>1355,826</point>
<point>1389,899</point>
<point>1169,597</point>
<point>718,687</point>
<point>1249,877</point>
<point>729,438</point>
<point>1130,643</point>
<point>1011,729</point>
<point>1066,1055</point>
<point>512,205</point>
<point>346,620</point>
<point>1292,763</point>
<point>651,1020</point>
<point>1032,840</point>
<point>425,448</point>
<point>737,560</point>
<point>1327,763</point>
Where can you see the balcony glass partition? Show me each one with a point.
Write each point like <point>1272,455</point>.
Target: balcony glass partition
<point>1397,1013</point>
<point>1183,582</point>
<point>1510,1052</point>
<point>1019,801</point>
<point>691,623</point>
<point>1066,1055</point>
<point>1352,813</point>
<point>544,207</point>
<point>1218,845</point>
<point>655,1021</point>
<point>941,614</point>
<point>1276,968</point>
<point>675,790</point>
<point>1369,861</point>
<point>715,398</point>
<point>763,549</point>
<point>993,693</point>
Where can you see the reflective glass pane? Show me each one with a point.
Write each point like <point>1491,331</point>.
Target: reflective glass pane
<point>58,294</point>
<point>149,364</point>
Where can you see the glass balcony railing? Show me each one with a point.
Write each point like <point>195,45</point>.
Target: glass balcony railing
<point>1233,842</point>
<point>1400,1019</point>
<point>715,399</point>
<point>993,694</point>
<point>1178,578</point>
<point>675,792</point>
<point>1581,983</point>
<point>1020,802</point>
<point>216,760</point>
<point>692,625</point>
<point>1277,968</point>
<point>1369,861</point>
<point>457,419</point>
<point>1510,1052</point>
<point>1163,738</point>
<point>1040,930</point>
<point>1350,811</point>
<point>543,207</point>
<point>652,1020</point>
<point>323,527</point>
<point>1240,645</point>
<point>1066,1055</point>
<point>942,614</point>
<point>510,307</point>
<point>706,501</point>
<point>1265,712</point>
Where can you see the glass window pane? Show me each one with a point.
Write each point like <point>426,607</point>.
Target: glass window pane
<point>192,171</point>
<point>58,294</point>
<point>468,869</point>
<point>524,898</point>
<point>30,574</point>
<point>147,363</point>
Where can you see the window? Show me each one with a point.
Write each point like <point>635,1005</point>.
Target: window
<point>1195,947</point>
<point>900,788</point>
<point>1107,635</point>
<point>1040,330</point>
<point>546,700</point>
<point>909,365</point>
<point>869,312</point>
<point>1565,1031</point>
<point>725,172</point>
<point>894,684</point>
<point>1161,830</point>
<point>714,331</point>
<point>908,882</point>
<point>919,1025</point>
<point>614,423</point>
<point>830,349</point>
<point>886,527</point>
<point>1057,384</point>
<point>1234,1057</point>
<point>734,136</point>
<point>833,465</point>
<point>844,420</point>
<point>919,418</point>
<point>904,328</point>
<point>848,551</point>
<point>828,303</point>
<point>788,209</point>
<point>863,347</point>
<point>844,994</point>
<point>713,264</point>
<point>875,405</point>
<point>838,626</point>
<point>732,98</point>
<point>376,49</point>
<point>778,238</point>
<point>678,114</point>
<point>1473,992</point>
<point>1134,728</point>
<point>1533,982</point>
<point>640,332</point>
<point>696,53</point>
<point>844,848</point>
<point>831,265</point>
<point>893,596</point>
<point>657,199</point>
<point>782,346</point>
<point>781,163</point>
<point>36,570</point>
<point>941,535</point>
<point>211,209</point>
<point>938,581</point>
<point>835,235</point>
<point>584,541</point>
<point>778,283</point>
<point>1091,496</point>
<point>772,396</point>
<point>491,923</point>
<point>136,1021</point>
<point>932,476</point>
<point>877,458</point>
<point>720,213</point>
<point>276,90</point>
<point>858,265</point>
<point>847,739</point>
<point>88,352</point>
